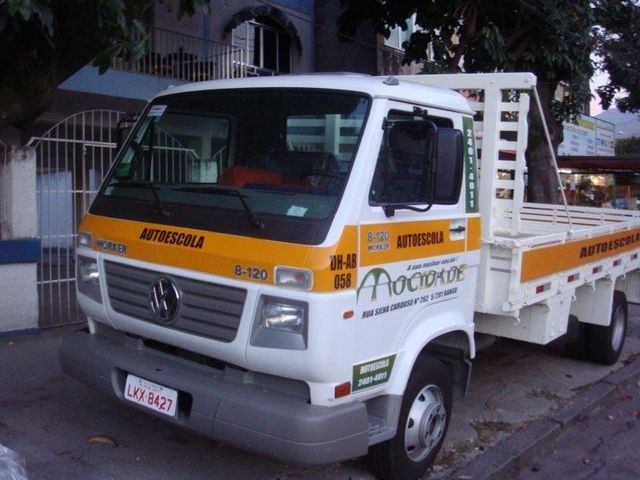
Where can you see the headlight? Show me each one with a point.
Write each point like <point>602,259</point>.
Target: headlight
<point>288,318</point>
<point>89,271</point>
<point>280,323</point>
<point>88,277</point>
<point>85,239</point>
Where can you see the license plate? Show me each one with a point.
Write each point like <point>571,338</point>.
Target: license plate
<point>151,395</point>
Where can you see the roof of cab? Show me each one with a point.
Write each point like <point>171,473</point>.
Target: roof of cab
<point>376,87</point>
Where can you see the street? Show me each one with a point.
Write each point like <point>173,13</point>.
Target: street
<point>602,446</point>
<point>65,430</point>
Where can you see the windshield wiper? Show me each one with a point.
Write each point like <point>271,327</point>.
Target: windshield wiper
<point>157,203</point>
<point>251,215</point>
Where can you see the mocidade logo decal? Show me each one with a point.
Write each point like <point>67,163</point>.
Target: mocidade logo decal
<point>379,278</point>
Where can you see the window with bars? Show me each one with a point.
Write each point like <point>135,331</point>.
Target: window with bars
<point>268,45</point>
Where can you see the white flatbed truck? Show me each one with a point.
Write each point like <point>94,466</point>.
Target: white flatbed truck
<point>298,265</point>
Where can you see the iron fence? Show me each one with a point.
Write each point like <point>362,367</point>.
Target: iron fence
<point>72,158</point>
<point>184,57</point>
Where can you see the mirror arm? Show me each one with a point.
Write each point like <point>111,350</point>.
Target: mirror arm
<point>390,210</point>
<point>422,112</point>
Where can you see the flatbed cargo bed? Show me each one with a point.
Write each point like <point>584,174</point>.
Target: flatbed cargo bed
<point>534,257</point>
<point>549,256</point>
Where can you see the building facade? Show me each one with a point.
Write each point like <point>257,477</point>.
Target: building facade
<point>72,145</point>
<point>368,52</point>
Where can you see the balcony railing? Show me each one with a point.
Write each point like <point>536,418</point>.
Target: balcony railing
<point>184,57</point>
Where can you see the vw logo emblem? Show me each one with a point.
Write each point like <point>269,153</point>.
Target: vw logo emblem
<point>164,300</point>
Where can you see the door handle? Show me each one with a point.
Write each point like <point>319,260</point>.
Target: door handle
<point>458,229</point>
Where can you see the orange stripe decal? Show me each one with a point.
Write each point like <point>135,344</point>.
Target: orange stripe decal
<point>543,261</point>
<point>474,233</point>
<point>334,267</point>
<point>396,242</point>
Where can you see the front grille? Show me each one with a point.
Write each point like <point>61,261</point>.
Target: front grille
<point>206,309</point>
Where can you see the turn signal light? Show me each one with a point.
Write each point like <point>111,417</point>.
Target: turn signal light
<point>342,390</point>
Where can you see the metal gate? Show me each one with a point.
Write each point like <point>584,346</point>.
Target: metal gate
<point>72,159</point>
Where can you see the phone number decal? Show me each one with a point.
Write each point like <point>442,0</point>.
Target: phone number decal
<point>372,373</point>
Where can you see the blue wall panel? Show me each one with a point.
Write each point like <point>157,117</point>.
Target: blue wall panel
<point>117,83</point>
<point>20,251</point>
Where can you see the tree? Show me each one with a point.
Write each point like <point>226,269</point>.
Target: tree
<point>628,146</point>
<point>552,38</point>
<point>44,42</point>
<point>619,53</point>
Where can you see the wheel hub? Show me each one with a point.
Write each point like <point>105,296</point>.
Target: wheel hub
<point>425,423</point>
<point>618,329</point>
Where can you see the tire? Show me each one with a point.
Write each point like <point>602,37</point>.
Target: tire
<point>571,344</point>
<point>604,344</point>
<point>422,426</point>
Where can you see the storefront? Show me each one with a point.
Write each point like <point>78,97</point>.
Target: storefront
<point>601,181</point>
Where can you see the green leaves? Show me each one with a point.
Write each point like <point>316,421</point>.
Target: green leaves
<point>555,39</point>
<point>188,7</point>
<point>628,146</point>
<point>618,50</point>
<point>44,42</point>
<point>20,12</point>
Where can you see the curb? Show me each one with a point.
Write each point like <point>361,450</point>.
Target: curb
<point>499,462</point>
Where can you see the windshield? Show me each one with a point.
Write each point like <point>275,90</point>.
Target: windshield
<point>269,163</point>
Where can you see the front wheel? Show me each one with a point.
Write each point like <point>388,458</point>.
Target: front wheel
<point>604,344</point>
<point>423,423</point>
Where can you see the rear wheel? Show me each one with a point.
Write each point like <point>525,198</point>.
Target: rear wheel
<point>573,343</point>
<point>423,423</point>
<point>604,343</point>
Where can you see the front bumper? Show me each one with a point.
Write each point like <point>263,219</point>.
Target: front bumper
<point>247,415</point>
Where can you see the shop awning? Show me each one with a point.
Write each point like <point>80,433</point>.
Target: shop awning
<point>600,164</point>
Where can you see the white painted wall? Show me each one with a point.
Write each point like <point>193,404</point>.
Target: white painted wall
<point>20,178</point>
<point>18,287</point>
<point>18,297</point>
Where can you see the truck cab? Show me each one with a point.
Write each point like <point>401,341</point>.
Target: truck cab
<point>276,253</point>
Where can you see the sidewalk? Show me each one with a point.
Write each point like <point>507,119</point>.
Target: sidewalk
<point>513,386</point>
<point>518,391</point>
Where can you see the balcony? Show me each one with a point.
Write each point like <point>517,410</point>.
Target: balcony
<point>181,57</point>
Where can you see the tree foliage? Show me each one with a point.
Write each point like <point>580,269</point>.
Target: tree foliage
<point>44,42</point>
<point>619,53</point>
<point>551,38</point>
<point>628,146</point>
<point>554,39</point>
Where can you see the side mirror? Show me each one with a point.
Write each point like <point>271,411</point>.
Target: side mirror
<point>413,146</point>
<point>405,173</point>
<point>449,166</point>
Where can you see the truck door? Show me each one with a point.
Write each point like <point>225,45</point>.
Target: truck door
<point>412,262</point>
